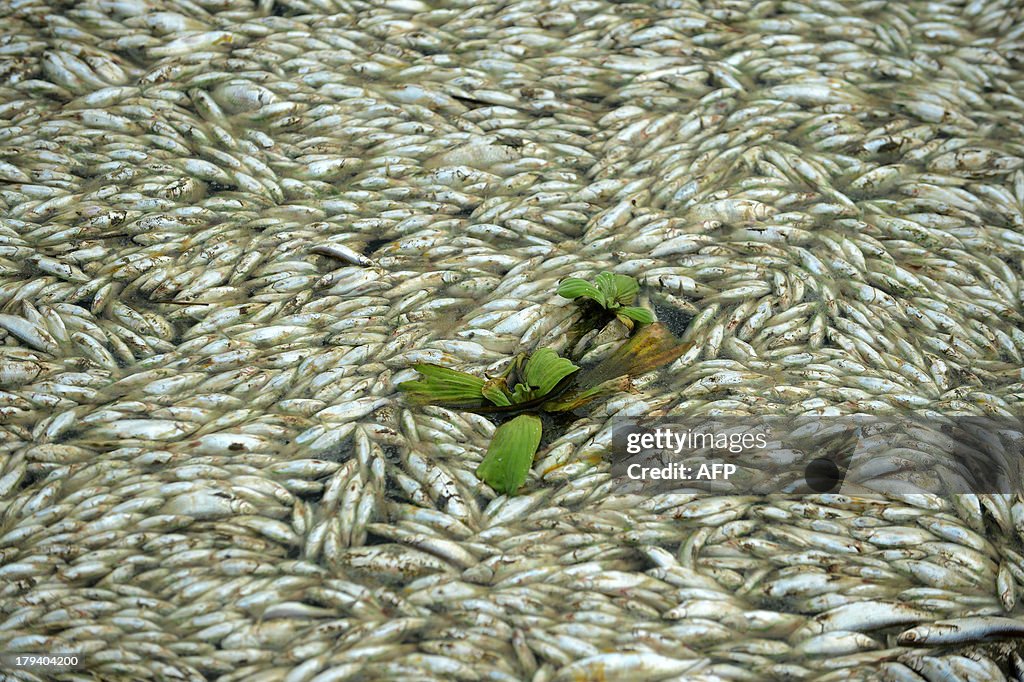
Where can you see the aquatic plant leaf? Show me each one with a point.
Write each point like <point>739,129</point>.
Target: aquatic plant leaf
<point>510,454</point>
<point>513,367</point>
<point>574,287</point>
<point>520,394</point>
<point>573,400</point>
<point>609,289</point>
<point>494,391</point>
<point>436,372</point>
<point>653,346</point>
<point>531,405</point>
<point>650,348</point>
<point>441,384</point>
<point>617,289</point>
<point>627,288</point>
<point>545,369</point>
<point>637,314</point>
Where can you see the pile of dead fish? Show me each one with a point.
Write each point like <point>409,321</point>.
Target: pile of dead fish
<point>228,228</point>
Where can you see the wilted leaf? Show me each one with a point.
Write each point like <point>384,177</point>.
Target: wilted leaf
<point>441,384</point>
<point>580,397</point>
<point>637,314</point>
<point>574,287</point>
<point>494,391</point>
<point>545,369</point>
<point>510,454</point>
<point>653,346</point>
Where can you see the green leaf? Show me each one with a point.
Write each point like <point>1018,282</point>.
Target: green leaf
<point>494,391</point>
<point>617,289</point>
<point>440,384</point>
<point>574,287</point>
<point>626,289</point>
<point>641,315</point>
<point>446,374</point>
<point>606,285</point>
<point>520,394</point>
<point>510,454</point>
<point>545,369</point>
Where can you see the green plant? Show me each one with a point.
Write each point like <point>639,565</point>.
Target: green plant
<point>544,382</point>
<point>612,293</point>
<point>443,386</point>
<point>525,381</point>
<point>510,454</point>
